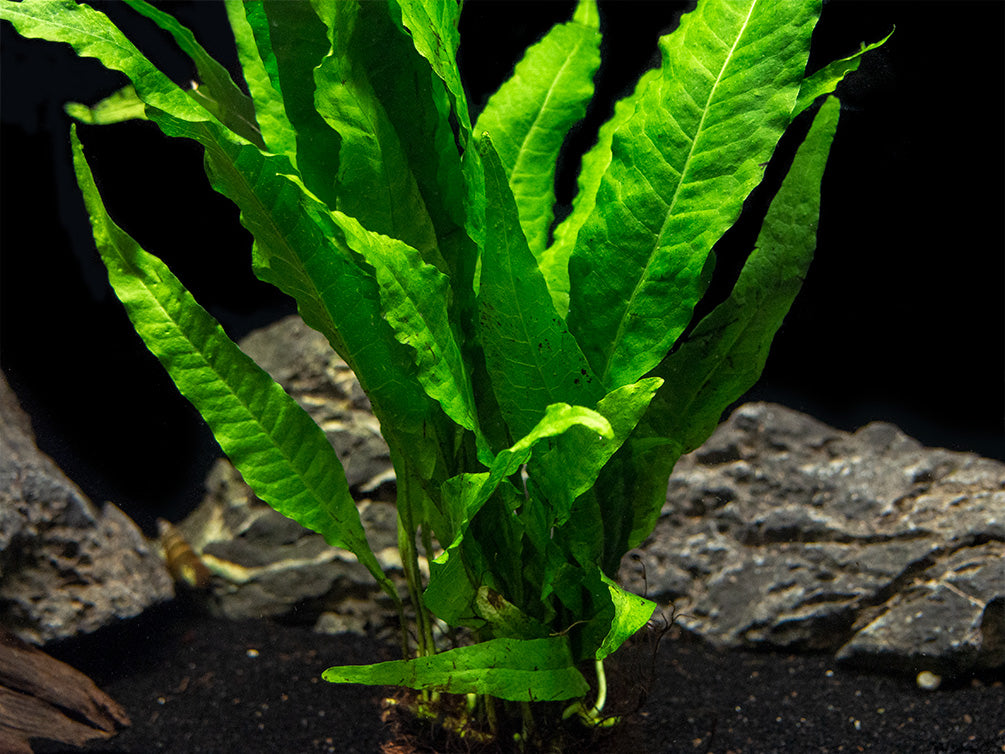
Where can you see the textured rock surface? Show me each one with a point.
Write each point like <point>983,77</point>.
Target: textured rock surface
<point>264,564</point>
<point>65,566</point>
<point>783,532</point>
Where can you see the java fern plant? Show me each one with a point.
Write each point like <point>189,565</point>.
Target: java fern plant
<point>535,382</point>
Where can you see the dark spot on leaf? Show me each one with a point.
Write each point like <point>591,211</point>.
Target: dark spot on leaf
<point>495,599</point>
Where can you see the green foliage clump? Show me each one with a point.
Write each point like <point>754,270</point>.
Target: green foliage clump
<point>535,382</point>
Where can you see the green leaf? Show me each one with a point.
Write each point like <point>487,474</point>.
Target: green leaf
<point>313,265</point>
<point>93,35</point>
<point>622,508</point>
<point>558,419</point>
<point>532,359</point>
<point>118,107</point>
<point>432,25</point>
<point>555,259</point>
<point>375,181</point>
<point>279,450</point>
<point>464,495</point>
<point>433,28</point>
<point>215,91</point>
<point>631,613</point>
<point>452,592</point>
<point>569,518</point>
<point>726,352</point>
<point>414,300</point>
<point>534,670</point>
<point>720,360</point>
<point>270,114</point>
<point>506,619</point>
<point>827,78</point>
<point>298,42</point>
<point>417,105</point>
<point>587,610</point>
<point>570,465</point>
<point>530,115</point>
<point>682,165</point>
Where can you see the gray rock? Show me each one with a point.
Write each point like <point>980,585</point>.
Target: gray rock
<point>782,532</point>
<point>66,567</point>
<point>266,565</point>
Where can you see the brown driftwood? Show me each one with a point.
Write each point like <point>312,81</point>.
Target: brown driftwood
<point>41,697</point>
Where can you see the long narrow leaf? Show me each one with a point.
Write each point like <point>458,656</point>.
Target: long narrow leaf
<point>722,357</point>
<point>532,359</point>
<point>297,41</point>
<point>93,35</point>
<point>534,670</point>
<point>417,105</point>
<point>682,166</point>
<point>314,266</point>
<point>555,259</point>
<point>414,301</point>
<point>282,454</point>
<point>432,25</point>
<point>827,78</point>
<point>531,113</point>
<point>415,298</point>
<point>216,91</point>
<point>726,352</point>
<point>120,106</point>
<point>375,181</point>
<point>277,133</point>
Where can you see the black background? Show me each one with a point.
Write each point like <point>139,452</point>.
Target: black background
<point>901,318</point>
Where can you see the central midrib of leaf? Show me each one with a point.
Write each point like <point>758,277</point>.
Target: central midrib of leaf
<point>537,118</point>
<point>619,334</point>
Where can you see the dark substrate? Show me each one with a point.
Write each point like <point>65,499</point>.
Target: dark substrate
<point>191,683</point>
